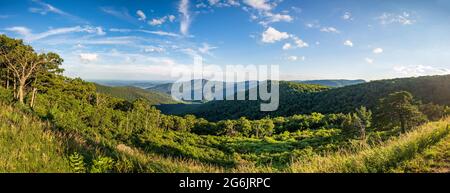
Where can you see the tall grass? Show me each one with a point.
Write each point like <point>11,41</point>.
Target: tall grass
<point>26,145</point>
<point>375,159</point>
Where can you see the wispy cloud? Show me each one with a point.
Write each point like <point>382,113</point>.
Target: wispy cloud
<point>45,8</point>
<point>162,20</point>
<point>420,70</point>
<point>330,30</point>
<point>186,19</point>
<point>141,15</point>
<point>159,32</point>
<point>405,18</point>
<point>121,14</point>
<point>27,34</point>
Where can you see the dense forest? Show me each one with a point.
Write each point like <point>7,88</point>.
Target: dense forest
<point>61,124</point>
<point>298,98</point>
<point>130,94</point>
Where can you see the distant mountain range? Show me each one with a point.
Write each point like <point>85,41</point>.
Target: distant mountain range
<point>300,98</point>
<point>332,83</point>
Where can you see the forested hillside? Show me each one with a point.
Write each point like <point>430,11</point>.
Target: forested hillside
<point>309,99</point>
<point>332,83</point>
<point>132,93</point>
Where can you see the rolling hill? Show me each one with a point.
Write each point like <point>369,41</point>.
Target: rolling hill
<point>132,93</point>
<point>332,83</point>
<point>312,98</point>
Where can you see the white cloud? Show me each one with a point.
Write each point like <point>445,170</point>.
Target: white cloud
<point>122,14</point>
<point>348,43</point>
<point>299,42</point>
<point>378,51</point>
<point>88,57</point>
<point>273,18</point>
<point>261,5</point>
<point>27,35</point>
<point>287,46</point>
<point>185,23</point>
<point>157,21</point>
<point>347,16</point>
<point>329,30</point>
<point>369,60</point>
<point>141,15</point>
<point>404,18</point>
<point>206,48</point>
<point>159,32</point>
<point>271,35</point>
<point>162,20</point>
<point>296,58</point>
<point>171,18</point>
<point>420,70</point>
<point>47,8</point>
<point>151,49</point>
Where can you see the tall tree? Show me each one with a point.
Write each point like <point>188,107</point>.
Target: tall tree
<point>24,63</point>
<point>398,110</point>
<point>362,119</point>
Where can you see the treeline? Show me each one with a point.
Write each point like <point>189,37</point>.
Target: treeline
<point>432,90</point>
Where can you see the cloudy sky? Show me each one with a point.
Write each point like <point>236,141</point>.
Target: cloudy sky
<point>309,39</point>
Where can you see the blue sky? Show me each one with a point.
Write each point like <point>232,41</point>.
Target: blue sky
<point>309,39</point>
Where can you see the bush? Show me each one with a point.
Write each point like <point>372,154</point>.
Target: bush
<point>102,165</point>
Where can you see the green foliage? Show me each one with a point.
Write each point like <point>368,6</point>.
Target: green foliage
<point>76,162</point>
<point>398,110</point>
<point>130,94</point>
<point>102,165</point>
<point>432,111</point>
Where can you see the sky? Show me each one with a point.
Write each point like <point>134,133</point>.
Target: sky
<point>308,39</point>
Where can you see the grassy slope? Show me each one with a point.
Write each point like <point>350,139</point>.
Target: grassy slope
<point>435,159</point>
<point>27,145</point>
<point>133,93</point>
<point>385,157</point>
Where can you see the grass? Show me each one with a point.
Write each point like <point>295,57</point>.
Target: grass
<point>384,157</point>
<point>27,145</point>
<point>435,159</point>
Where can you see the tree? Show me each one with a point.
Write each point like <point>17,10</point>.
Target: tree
<point>362,120</point>
<point>398,110</point>
<point>244,126</point>
<point>432,111</point>
<point>24,63</point>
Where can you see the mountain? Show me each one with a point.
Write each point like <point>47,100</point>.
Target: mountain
<point>332,83</point>
<point>197,86</point>
<point>299,98</point>
<point>134,83</point>
<point>132,93</point>
<point>234,109</point>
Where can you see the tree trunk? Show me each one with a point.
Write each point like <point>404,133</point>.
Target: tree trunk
<point>15,90</point>
<point>21,91</point>
<point>33,96</point>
